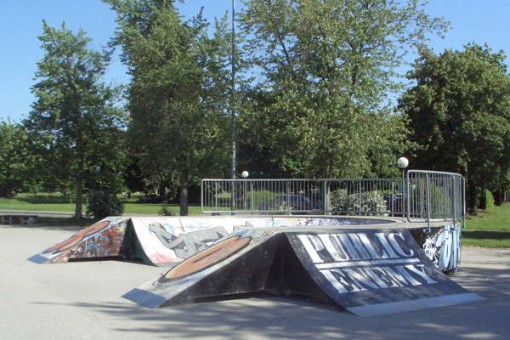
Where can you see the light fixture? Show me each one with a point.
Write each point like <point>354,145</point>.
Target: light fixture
<point>403,163</point>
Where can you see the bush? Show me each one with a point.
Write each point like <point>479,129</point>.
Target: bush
<point>164,211</point>
<point>489,199</point>
<point>151,198</point>
<point>365,204</point>
<point>9,187</point>
<point>103,203</point>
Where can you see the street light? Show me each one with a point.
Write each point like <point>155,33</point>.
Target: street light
<point>232,110</point>
<point>232,91</point>
<point>403,163</point>
<point>244,175</point>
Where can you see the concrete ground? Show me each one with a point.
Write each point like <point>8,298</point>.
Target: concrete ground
<point>83,301</point>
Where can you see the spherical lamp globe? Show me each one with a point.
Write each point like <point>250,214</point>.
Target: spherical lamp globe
<point>403,163</point>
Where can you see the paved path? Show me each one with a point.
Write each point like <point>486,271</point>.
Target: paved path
<point>83,301</point>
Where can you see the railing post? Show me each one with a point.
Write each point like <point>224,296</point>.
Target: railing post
<point>324,196</point>
<point>287,187</point>
<point>360,201</point>
<point>233,196</point>
<point>428,198</point>
<point>453,200</point>
<point>463,202</point>
<point>202,194</point>
<point>406,195</point>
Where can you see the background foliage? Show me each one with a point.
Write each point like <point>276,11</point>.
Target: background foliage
<point>312,98</point>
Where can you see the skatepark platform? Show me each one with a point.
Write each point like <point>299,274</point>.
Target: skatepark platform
<point>83,301</point>
<point>367,266</point>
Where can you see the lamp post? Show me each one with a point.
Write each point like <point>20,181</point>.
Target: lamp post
<point>244,175</point>
<point>232,109</point>
<point>403,163</point>
<point>232,90</point>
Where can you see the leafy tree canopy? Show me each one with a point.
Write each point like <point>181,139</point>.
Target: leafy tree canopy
<point>15,159</point>
<point>177,97</point>
<point>325,69</point>
<point>74,117</point>
<point>459,112</point>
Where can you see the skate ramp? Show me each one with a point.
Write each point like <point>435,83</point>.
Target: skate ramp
<point>364,271</point>
<point>101,240</point>
<point>166,241</point>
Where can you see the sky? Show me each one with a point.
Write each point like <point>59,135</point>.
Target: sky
<point>478,21</point>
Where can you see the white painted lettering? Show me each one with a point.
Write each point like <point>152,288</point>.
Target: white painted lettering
<point>396,245</point>
<point>419,269</point>
<point>360,246</point>
<point>337,282</point>
<point>335,249</point>
<point>412,281</point>
<point>393,278</point>
<point>361,278</point>
<point>385,245</point>
<point>371,249</point>
<point>377,274</point>
<point>312,246</point>
<point>343,239</point>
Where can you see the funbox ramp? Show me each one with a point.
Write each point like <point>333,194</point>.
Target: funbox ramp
<point>364,271</point>
<point>164,241</point>
<point>104,239</point>
<point>153,240</point>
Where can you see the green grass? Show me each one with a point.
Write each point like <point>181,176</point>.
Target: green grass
<point>491,228</point>
<point>59,204</point>
<point>17,204</point>
<point>154,209</point>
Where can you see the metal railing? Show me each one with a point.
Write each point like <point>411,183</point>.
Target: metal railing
<point>435,196</point>
<point>419,196</point>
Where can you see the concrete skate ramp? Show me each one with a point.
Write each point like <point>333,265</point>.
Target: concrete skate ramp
<point>364,271</point>
<point>103,239</point>
<point>164,241</point>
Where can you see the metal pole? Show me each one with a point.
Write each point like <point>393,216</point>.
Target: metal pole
<point>428,199</point>
<point>232,108</point>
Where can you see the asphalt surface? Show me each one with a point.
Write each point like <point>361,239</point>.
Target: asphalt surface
<point>83,301</point>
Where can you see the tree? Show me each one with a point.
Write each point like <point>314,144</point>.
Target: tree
<point>177,96</point>
<point>326,69</point>
<point>459,112</point>
<point>74,118</point>
<point>15,159</point>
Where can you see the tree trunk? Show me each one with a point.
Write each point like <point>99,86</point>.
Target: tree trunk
<point>162,191</point>
<point>472,198</point>
<point>78,212</point>
<point>499,197</point>
<point>483,200</point>
<point>80,174</point>
<point>184,195</point>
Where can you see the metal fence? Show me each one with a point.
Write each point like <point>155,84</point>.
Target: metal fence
<point>435,196</point>
<point>419,196</point>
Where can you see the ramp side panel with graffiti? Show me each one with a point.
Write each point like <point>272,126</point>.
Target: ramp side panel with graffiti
<point>372,272</point>
<point>100,240</point>
<point>170,240</point>
<point>441,246</point>
<point>170,287</point>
